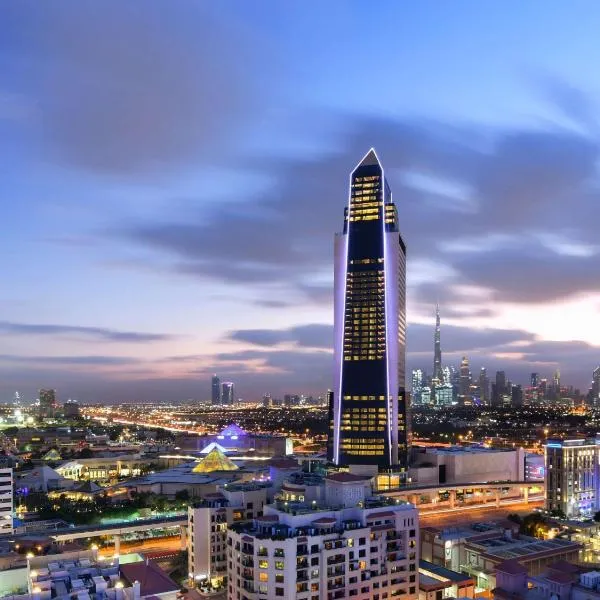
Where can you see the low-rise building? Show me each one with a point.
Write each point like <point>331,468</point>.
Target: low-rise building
<point>437,582</point>
<point>6,501</point>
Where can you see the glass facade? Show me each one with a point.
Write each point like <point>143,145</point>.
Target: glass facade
<point>368,415</point>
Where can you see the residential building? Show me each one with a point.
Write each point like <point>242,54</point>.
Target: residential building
<point>207,527</point>
<point>353,545</point>
<point>48,402</point>
<point>436,582</point>
<point>368,405</point>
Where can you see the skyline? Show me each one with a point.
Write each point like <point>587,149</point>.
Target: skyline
<point>171,216</point>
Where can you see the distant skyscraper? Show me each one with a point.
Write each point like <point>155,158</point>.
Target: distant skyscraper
<point>535,380</point>
<point>267,401</point>
<point>437,349</point>
<point>47,402</point>
<point>465,382</point>
<point>417,385</point>
<point>216,390</point>
<point>227,393</point>
<point>556,385</point>
<point>484,386</point>
<point>596,387</point>
<point>516,396</point>
<point>369,413</point>
<point>499,389</point>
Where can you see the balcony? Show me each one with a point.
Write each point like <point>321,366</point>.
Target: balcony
<point>336,560</point>
<point>301,563</point>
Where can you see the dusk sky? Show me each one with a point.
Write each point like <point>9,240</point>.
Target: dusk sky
<point>173,173</point>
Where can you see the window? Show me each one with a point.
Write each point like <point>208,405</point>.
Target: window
<point>279,565</point>
<point>263,577</point>
<point>279,591</point>
<point>263,564</point>
<point>279,578</point>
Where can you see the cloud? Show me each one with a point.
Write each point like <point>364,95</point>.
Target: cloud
<point>315,335</point>
<point>70,360</point>
<point>129,89</point>
<point>98,333</point>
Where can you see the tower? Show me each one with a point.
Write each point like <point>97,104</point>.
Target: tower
<point>595,387</point>
<point>227,393</point>
<point>369,412</point>
<point>216,390</point>
<point>438,374</point>
<point>465,382</point>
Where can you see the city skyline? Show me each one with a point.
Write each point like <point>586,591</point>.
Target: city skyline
<point>152,239</point>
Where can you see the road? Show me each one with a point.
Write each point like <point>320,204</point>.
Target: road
<point>474,514</point>
<point>170,544</point>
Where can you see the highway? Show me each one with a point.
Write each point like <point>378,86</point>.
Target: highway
<point>448,517</point>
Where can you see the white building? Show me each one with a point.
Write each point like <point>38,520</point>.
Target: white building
<point>458,464</point>
<point>354,545</point>
<point>207,527</point>
<point>6,501</point>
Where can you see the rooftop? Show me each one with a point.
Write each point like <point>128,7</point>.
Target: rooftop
<point>153,580</point>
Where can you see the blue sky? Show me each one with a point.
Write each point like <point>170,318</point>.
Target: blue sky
<point>173,176</point>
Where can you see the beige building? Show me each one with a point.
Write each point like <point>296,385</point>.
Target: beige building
<point>207,527</point>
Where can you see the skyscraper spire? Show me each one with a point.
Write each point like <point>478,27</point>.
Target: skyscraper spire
<point>437,348</point>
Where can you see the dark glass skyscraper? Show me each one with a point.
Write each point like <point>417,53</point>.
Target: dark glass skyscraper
<point>368,408</point>
<point>216,390</point>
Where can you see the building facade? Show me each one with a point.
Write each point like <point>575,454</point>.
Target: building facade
<point>227,393</point>
<point>352,546</point>
<point>6,501</point>
<point>215,390</point>
<point>368,404</point>
<point>572,477</point>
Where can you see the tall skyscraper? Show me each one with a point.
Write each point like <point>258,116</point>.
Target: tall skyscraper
<point>484,386</point>
<point>595,391</point>
<point>535,380</point>
<point>216,389</point>
<point>437,349</point>
<point>465,382</point>
<point>499,389</point>
<point>556,385</point>
<point>370,413</point>
<point>227,393</point>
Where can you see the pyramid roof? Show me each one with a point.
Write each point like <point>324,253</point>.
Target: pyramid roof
<point>89,487</point>
<point>232,430</point>
<point>212,446</point>
<point>52,454</point>
<point>215,460</point>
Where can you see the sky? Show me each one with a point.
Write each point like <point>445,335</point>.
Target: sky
<point>173,173</point>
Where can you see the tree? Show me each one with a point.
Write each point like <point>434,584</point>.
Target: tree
<point>182,495</point>
<point>86,453</point>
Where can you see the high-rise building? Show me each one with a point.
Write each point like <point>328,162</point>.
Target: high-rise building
<point>535,380</point>
<point>267,401</point>
<point>516,396</point>
<point>437,349</point>
<point>216,389</point>
<point>484,386</point>
<point>595,400</point>
<point>47,402</point>
<point>227,393</point>
<point>370,413</point>
<point>6,502</point>
<point>418,381</point>
<point>499,389</point>
<point>556,385</point>
<point>465,382</point>
<point>572,477</point>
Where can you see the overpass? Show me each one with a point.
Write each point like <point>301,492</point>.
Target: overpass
<point>475,493</point>
<point>118,529</point>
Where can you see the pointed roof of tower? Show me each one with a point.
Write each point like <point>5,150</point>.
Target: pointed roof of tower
<point>369,159</point>
<point>215,460</point>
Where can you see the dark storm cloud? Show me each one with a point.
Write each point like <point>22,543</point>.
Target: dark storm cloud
<point>534,275</point>
<point>450,184</point>
<point>124,87</point>
<point>310,336</point>
<point>98,333</point>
